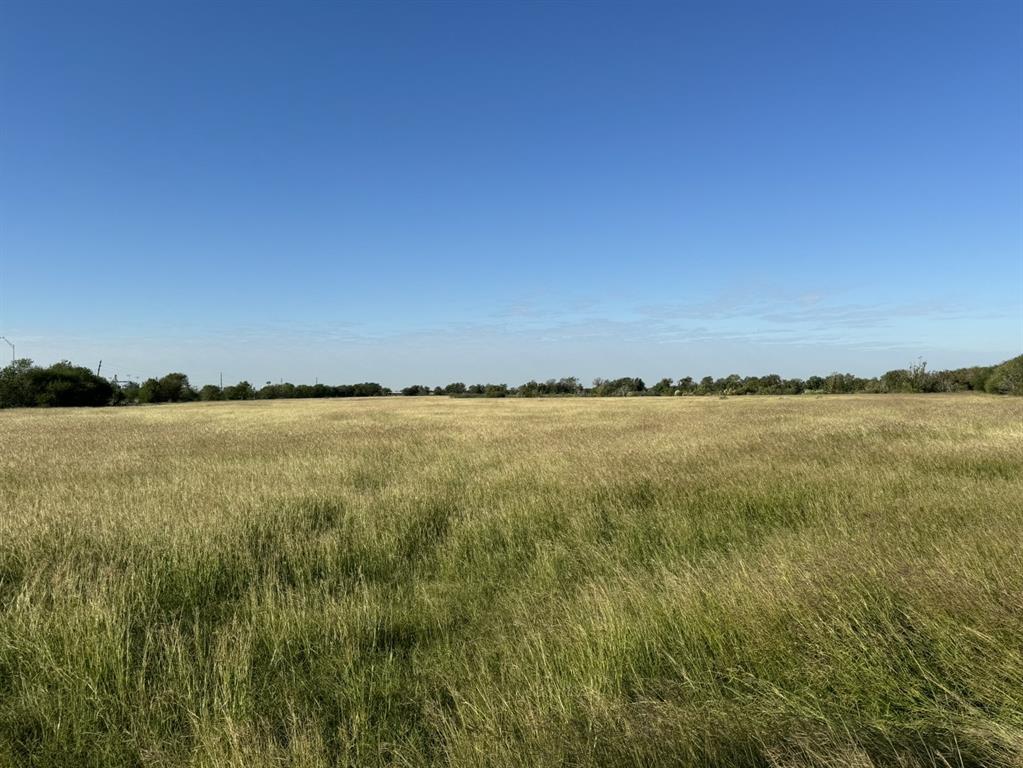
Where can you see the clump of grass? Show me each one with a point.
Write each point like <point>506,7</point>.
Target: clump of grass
<point>643,582</point>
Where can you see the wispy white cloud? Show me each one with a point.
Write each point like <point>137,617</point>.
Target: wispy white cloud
<point>791,334</point>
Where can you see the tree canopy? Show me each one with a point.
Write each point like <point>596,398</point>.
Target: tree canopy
<point>24,384</point>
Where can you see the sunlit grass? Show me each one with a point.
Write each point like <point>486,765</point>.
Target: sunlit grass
<point>423,581</point>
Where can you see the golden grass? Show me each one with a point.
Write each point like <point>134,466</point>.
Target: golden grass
<point>805,581</point>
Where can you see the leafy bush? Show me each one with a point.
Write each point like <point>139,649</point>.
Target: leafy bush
<point>172,388</point>
<point>1007,378</point>
<point>415,390</point>
<point>23,384</point>
<point>240,391</point>
<point>211,392</point>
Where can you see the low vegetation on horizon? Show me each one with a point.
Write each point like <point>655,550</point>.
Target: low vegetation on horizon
<point>24,384</point>
<point>791,582</point>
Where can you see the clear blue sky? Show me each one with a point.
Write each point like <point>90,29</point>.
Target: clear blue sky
<point>420,192</point>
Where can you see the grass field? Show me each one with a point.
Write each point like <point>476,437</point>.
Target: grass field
<point>762,581</point>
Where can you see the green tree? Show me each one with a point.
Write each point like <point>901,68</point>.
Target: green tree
<point>1007,378</point>
<point>68,385</point>
<point>240,391</point>
<point>211,392</point>
<point>897,380</point>
<point>172,388</point>
<point>663,387</point>
<point>16,385</point>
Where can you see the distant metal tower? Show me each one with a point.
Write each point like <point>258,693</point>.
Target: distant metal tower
<point>12,346</point>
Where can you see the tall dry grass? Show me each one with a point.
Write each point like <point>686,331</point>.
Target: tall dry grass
<point>659,581</point>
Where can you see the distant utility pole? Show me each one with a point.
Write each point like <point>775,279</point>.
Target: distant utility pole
<point>12,346</point>
<point>99,367</point>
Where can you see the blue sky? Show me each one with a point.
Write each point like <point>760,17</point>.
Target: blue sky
<point>417,192</point>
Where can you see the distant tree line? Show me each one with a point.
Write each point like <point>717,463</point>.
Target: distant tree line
<point>24,384</point>
<point>1004,379</point>
<point>175,388</point>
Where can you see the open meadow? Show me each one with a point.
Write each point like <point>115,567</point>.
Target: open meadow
<point>758,581</point>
